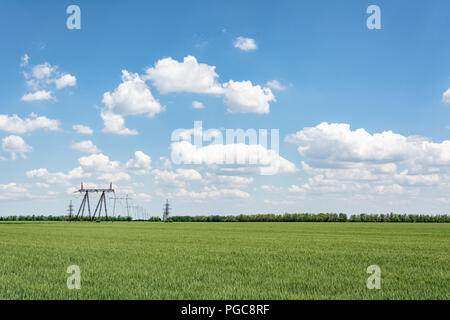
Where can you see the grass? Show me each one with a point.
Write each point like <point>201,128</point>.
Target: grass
<point>224,260</point>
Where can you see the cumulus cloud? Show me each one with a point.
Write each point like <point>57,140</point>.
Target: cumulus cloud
<point>270,188</point>
<point>446,96</point>
<point>178,178</point>
<point>143,196</point>
<point>86,146</point>
<point>43,79</point>
<point>245,44</point>
<point>81,129</point>
<point>114,177</point>
<point>234,181</point>
<point>210,193</point>
<point>244,97</point>
<point>241,157</point>
<point>37,96</point>
<point>275,85</point>
<point>42,185</point>
<point>114,123</point>
<point>338,143</point>
<point>13,187</point>
<point>197,105</point>
<point>24,60</point>
<point>98,163</point>
<point>339,159</point>
<point>165,163</point>
<point>169,75</point>
<point>42,71</point>
<point>13,191</point>
<point>131,97</point>
<point>15,144</point>
<point>58,177</point>
<point>66,80</point>
<point>141,164</point>
<point>97,167</point>
<point>15,124</point>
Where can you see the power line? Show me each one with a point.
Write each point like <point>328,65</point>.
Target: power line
<point>126,198</point>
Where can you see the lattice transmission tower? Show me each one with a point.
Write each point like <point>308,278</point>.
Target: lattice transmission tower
<point>166,211</point>
<point>70,210</point>
<point>101,205</point>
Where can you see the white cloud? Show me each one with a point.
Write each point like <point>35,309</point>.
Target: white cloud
<point>98,163</point>
<point>269,188</point>
<point>37,96</point>
<point>86,146</point>
<point>95,166</point>
<point>141,164</point>
<point>37,173</point>
<point>229,180</point>
<point>114,177</point>
<point>42,71</point>
<point>24,60</point>
<point>143,196</point>
<point>197,105</point>
<point>81,129</point>
<point>169,75</point>
<point>58,177</point>
<point>275,85</point>
<point>198,132</point>
<point>43,78</point>
<point>13,191</point>
<point>15,124</point>
<point>131,97</point>
<point>244,97</point>
<point>296,188</point>
<point>66,80</point>
<point>337,143</point>
<point>250,158</point>
<point>115,123</point>
<point>13,187</point>
<point>42,185</point>
<point>245,44</point>
<point>15,144</point>
<point>446,96</point>
<point>339,160</point>
<point>178,178</point>
<point>210,193</point>
<point>165,163</point>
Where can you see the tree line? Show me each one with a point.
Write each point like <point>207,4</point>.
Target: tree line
<point>318,217</point>
<point>287,217</point>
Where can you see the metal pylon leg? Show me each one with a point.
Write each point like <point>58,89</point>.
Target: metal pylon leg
<point>89,206</point>
<point>81,207</point>
<point>106,210</point>
<point>101,205</point>
<point>96,208</point>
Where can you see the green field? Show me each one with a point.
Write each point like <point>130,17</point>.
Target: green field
<point>135,260</point>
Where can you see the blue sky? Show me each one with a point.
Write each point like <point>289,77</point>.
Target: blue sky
<point>362,114</point>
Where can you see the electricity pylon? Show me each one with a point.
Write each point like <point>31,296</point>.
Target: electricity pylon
<point>166,211</point>
<point>101,202</point>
